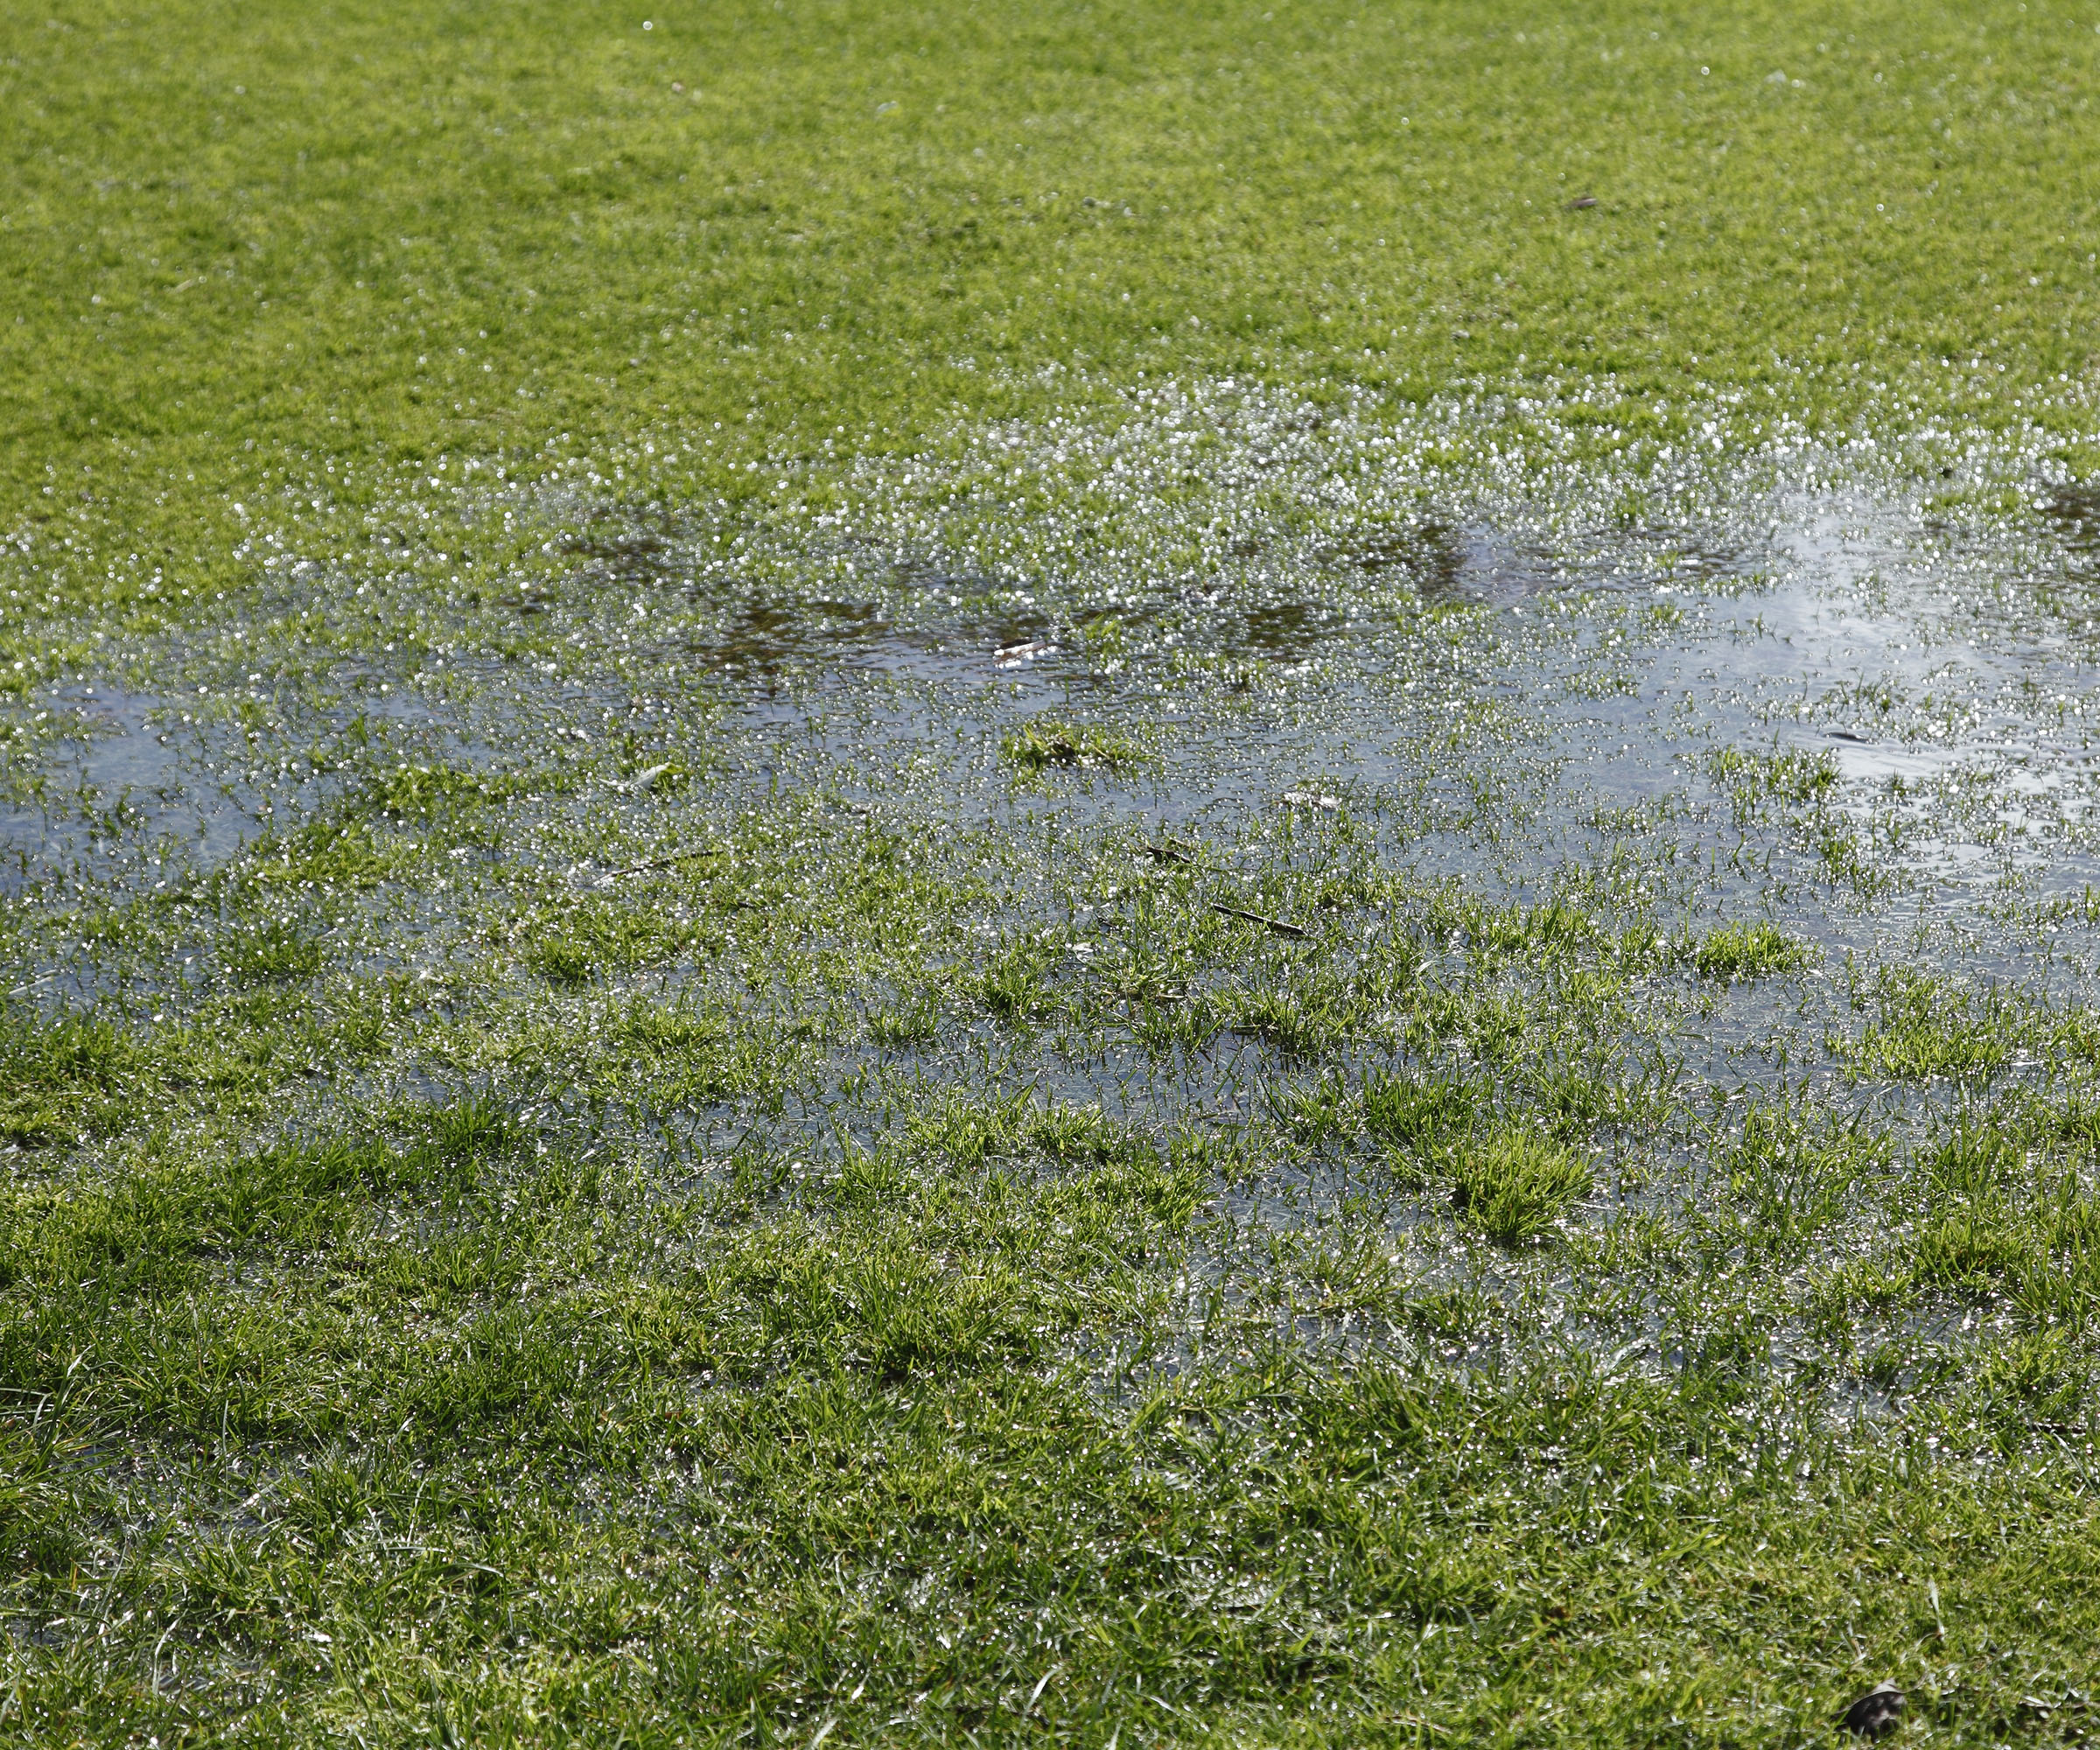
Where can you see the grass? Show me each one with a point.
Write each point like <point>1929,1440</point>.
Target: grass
<point>1741,950</point>
<point>1513,1187</point>
<point>1039,745</point>
<point>384,251</point>
<point>818,925</point>
<point>55,1072</point>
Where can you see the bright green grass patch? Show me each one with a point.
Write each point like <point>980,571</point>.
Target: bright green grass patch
<point>1037,746</point>
<point>56,1073</point>
<point>1745,951</point>
<point>420,792</point>
<point>1013,983</point>
<point>1418,1114</point>
<point>327,855</point>
<point>1921,1030</point>
<point>592,936</point>
<point>1514,1186</point>
<point>1749,779</point>
<point>914,1021</point>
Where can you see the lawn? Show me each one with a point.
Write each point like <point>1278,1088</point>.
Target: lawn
<point>981,874</point>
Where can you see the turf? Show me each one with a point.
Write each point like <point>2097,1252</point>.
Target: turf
<point>987,875</point>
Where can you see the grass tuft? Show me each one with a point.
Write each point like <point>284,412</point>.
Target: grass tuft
<point>1516,1185</point>
<point>1042,744</point>
<point>55,1073</point>
<point>1418,1114</point>
<point>1740,952</point>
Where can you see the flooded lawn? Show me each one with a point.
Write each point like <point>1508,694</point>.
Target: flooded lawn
<point>1198,1011</point>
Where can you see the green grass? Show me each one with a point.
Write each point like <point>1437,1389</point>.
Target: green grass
<point>1513,1187</point>
<point>56,1073</point>
<point>796,950</point>
<point>1039,745</point>
<point>1741,950</point>
<point>301,254</point>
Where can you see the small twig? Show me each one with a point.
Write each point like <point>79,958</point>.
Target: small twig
<point>1275,924</point>
<point>659,862</point>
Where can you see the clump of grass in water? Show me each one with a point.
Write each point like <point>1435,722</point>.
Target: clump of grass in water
<point>1013,985</point>
<point>1742,951</point>
<point>591,938</point>
<point>272,953</point>
<point>1414,1115</point>
<point>1793,776</point>
<point>914,1023</point>
<point>421,792</point>
<point>1042,744</point>
<point>1516,1185</point>
<point>1924,1030</point>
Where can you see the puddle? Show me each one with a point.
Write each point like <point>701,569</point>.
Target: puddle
<point>1804,706</point>
<point>115,773</point>
<point>1614,667</point>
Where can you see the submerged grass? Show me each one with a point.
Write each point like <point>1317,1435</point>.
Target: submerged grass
<point>823,921</point>
<point>1038,745</point>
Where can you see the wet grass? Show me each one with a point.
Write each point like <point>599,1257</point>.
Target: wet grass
<point>1040,745</point>
<point>386,250</point>
<point>564,1406</point>
<point>985,878</point>
<point>1514,1187</point>
<point>1747,951</point>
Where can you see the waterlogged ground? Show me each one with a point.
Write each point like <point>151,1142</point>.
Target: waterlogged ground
<point>1222,1066</point>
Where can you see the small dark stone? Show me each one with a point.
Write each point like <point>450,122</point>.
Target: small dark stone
<point>1876,1713</point>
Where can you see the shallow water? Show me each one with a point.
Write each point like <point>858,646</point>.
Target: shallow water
<point>1420,673</point>
<point>1811,704</point>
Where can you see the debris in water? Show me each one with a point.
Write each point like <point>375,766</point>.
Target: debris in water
<point>677,858</point>
<point>1876,1713</point>
<point>1310,799</point>
<point>1275,924</point>
<point>1013,655</point>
